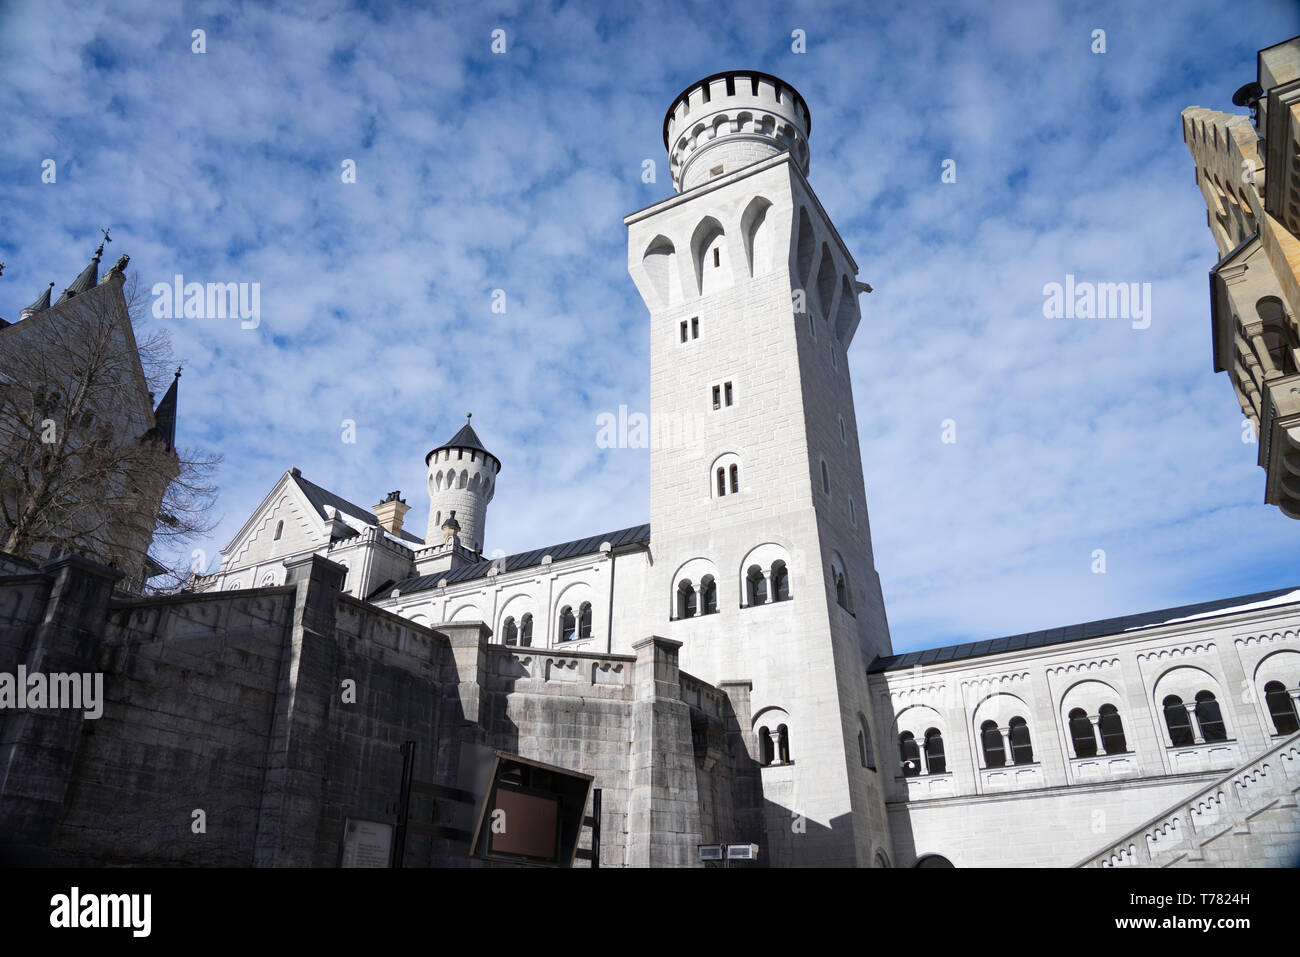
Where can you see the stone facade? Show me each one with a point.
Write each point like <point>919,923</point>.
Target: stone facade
<point>1248,171</point>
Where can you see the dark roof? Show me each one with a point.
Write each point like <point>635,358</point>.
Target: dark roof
<point>321,497</point>
<point>42,301</point>
<point>1057,636</point>
<point>164,417</point>
<point>88,278</point>
<point>636,535</point>
<point>466,438</point>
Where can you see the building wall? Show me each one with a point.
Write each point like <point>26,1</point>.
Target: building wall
<point>1058,808</point>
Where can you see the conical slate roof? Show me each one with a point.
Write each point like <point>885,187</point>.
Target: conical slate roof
<point>88,278</point>
<point>164,417</point>
<point>41,304</point>
<point>466,438</point>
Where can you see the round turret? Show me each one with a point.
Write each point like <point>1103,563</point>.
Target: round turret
<point>729,120</point>
<point>462,480</point>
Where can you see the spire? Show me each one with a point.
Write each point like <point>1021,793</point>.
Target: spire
<point>164,417</point>
<point>89,276</point>
<point>40,305</point>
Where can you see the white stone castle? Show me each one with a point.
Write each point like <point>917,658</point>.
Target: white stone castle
<point>1167,737</point>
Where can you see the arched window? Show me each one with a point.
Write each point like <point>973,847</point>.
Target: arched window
<point>1209,717</point>
<point>1280,708</point>
<point>1112,730</point>
<point>995,755</point>
<point>934,758</point>
<point>279,528</point>
<point>708,595</point>
<point>765,751</point>
<point>511,632</point>
<point>780,581</point>
<point>584,620</point>
<point>909,754</point>
<point>783,744</point>
<point>526,632</point>
<point>756,585</point>
<point>722,482</point>
<point>1085,742</point>
<point>686,599</point>
<point>1021,751</point>
<point>568,624</point>
<point>1178,722</point>
<point>735,478</point>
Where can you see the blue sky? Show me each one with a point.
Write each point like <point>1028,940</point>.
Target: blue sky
<point>478,172</point>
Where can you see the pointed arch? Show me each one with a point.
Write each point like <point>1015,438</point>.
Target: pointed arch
<point>709,256</point>
<point>659,261</point>
<point>757,232</point>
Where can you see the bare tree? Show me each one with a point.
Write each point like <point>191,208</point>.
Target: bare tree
<point>85,466</point>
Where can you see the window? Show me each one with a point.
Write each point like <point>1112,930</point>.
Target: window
<point>1085,742</point>
<point>695,328</point>
<point>783,744</point>
<point>1209,717</point>
<point>584,620</point>
<point>686,600</point>
<point>1178,722</point>
<point>727,391</point>
<point>735,478</point>
<point>909,754</point>
<point>1112,730</point>
<point>511,632</point>
<point>1280,708</point>
<point>765,750</point>
<point>715,171</point>
<point>844,432</point>
<point>756,585</point>
<point>722,482</point>
<point>835,362</point>
<point>780,581</point>
<point>526,632</point>
<point>841,596</point>
<point>995,755</point>
<point>708,595</point>
<point>826,479</point>
<point>279,529</point>
<point>717,396</point>
<point>683,330</point>
<point>865,751</point>
<point>934,759</point>
<point>853,515</point>
<point>1021,751</point>
<point>717,257</point>
<point>568,625</point>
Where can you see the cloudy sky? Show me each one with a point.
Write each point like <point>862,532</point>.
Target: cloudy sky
<point>478,171</point>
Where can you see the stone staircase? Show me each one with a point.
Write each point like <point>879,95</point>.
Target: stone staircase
<point>1250,817</point>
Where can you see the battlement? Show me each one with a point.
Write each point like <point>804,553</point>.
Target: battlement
<point>732,119</point>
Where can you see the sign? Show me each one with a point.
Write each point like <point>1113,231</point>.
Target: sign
<point>532,813</point>
<point>366,843</point>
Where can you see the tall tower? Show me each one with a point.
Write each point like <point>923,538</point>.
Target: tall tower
<point>762,551</point>
<point>462,479</point>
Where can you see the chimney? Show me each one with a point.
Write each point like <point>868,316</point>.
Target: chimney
<point>390,513</point>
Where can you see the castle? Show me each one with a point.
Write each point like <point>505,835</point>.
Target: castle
<point>724,672</point>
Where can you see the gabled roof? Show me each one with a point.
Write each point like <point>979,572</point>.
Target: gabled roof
<point>1091,629</point>
<point>636,535</point>
<point>320,498</point>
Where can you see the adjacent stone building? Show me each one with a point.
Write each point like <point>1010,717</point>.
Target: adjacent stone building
<point>1248,170</point>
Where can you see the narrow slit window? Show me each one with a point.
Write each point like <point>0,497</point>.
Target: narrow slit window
<point>695,328</point>
<point>717,397</point>
<point>727,390</point>
<point>717,256</point>
<point>683,330</point>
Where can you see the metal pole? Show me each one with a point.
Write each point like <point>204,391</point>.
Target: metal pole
<point>404,803</point>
